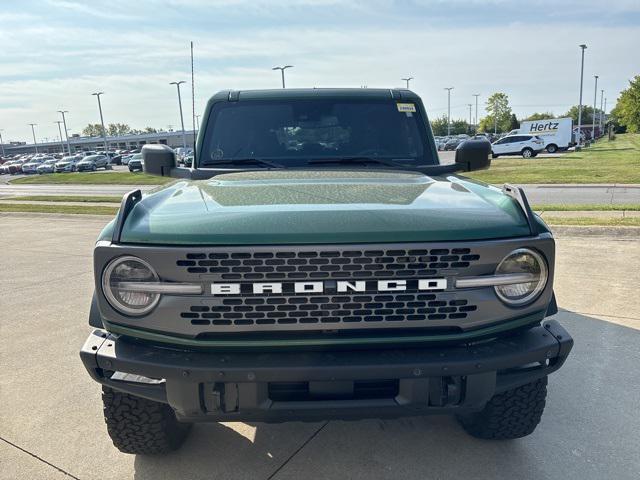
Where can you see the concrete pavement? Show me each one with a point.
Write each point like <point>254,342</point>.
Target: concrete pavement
<point>51,412</point>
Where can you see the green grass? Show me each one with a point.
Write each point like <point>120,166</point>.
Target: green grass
<point>91,178</point>
<point>69,209</point>
<point>617,161</point>
<point>66,198</point>
<point>596,222</point>
<point>587,208</point>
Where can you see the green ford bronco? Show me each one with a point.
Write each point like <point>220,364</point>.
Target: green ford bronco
<point>318,262</point>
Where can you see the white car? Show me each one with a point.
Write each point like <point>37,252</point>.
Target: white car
<point>526,145</point>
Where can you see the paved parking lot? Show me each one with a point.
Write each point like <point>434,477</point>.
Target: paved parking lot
<point>51,425</point>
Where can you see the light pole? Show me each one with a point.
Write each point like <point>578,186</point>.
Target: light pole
<point>579,139</point>
<point>184,135</point>
<point>601,111</point>
<point>104,132</point>
<point>448,89</point>
<point>469,105</point>
<point>66,132</point>
<point>33,131</point>
<point>60,132</point>
<point>475,123</point>
<point>198,123</point>
<point>1,144</point>
<point>282,69</point>
<point>407,80</point>
<point>593,120</point>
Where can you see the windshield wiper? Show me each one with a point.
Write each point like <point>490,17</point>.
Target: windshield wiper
<point>241,161</point>
<point>389,163</point>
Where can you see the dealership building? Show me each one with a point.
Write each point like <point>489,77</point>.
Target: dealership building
<point>122,142</point>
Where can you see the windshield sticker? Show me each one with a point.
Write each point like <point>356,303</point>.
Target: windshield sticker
<point>406,107</point>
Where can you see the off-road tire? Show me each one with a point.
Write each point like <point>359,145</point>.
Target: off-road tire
<point>141,426</point>
<point>508,415</point>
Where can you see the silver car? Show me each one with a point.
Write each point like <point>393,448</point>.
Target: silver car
<point>67,164</point>
<point>48,166</point>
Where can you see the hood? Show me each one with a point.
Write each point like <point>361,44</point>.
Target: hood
<point>332,206</point>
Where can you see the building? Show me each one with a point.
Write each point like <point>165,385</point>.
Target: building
<point>122,142</point>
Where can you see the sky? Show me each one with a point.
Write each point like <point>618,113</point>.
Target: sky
<point>55,53</point>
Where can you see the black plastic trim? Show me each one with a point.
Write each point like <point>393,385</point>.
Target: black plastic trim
<point>128,202</point>
<point>517,193</point>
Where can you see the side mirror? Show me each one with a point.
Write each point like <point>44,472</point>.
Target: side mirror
<point>473,155</point>
<point>158,160</point>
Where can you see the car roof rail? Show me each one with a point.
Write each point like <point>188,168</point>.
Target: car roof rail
<point>128,202</point>
<point>517,193</point>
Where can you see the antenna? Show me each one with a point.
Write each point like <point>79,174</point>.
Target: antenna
<point>193,110</point>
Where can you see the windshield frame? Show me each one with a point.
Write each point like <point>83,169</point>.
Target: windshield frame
<point>429,156</point>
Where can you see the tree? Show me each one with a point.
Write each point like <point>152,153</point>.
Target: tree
<point>514,124</point>
<point>117,129</point>
<point>627,109</point>
<point>587,114</point>
<point>439,126</point>
<point>539,116</point>
<point>92,130</point>
<point>150,130</point>
<point>499,114</point>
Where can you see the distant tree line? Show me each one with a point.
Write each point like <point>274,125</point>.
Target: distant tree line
<point>114,130</point>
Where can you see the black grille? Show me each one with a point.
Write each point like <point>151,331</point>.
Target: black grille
<point>405,307</point>
<point>323,264</point>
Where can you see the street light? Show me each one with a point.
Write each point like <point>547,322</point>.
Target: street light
<point>579,139</point>
<point>184,135</point>
<point>66,132</point>
<point>198,122</point>
<point>407,80</point>
<point>469,105</point>
<point>593,119</point>
<point>448,89</point>
<point>475,123</point>
<point>282,69</point>
<point>1,144</point>
<point>60,132</point>
<point>104,132</point>
<point>33,131</point>
<point>601,111</point>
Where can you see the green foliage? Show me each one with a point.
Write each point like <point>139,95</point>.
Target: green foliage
<point>92,130</point>
<point>539,116</point>
<point>587,114</point>
<point>439,126</point>
<point>514,123</point>
<point>116,129</point>
<point>499,114</point>
<point>627,110</point>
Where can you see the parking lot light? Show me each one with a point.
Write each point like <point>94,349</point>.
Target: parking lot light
<point>60,132</point>
<point>184,135</point>
<point>593,119</point>
<point>1,144</point>
<point>408,79</point>
<point>66,132</point>
<point>33,131</point>
<point>579,139</point>
<point>448,89</point>
<point>282,69</point>
<point>104,132</point>
<point>601,111</point>
<point>475,122</point>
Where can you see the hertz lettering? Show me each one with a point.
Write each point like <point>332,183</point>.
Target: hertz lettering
<point>305,288</point>
<point>544,127</point>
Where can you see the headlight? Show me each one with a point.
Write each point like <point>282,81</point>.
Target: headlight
<point>522,261</point>
<point>116,285</point>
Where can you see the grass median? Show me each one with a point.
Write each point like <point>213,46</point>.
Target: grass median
<point>53,208</point>
<point>66,198</point>
<point>91,178</point>
<point>617,161</point>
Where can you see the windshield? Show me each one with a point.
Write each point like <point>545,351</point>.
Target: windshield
<point>294,132</point>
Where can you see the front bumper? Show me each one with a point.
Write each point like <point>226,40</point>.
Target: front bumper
<point>275,387</point>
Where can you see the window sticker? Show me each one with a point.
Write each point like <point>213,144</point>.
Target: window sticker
<point>406,107</point>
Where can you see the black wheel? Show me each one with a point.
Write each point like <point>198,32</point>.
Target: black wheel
<point>108,167</point>
<point>493,155</point>
<point>511,414</point>
<point>527,153</point>
<point>141,426</point>
<point>93,168</point>
<point>552,148</point>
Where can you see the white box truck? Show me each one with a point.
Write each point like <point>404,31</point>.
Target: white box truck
<point>557,133</point>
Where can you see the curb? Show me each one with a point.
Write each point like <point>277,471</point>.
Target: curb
<point>595,231</point>
<point>65,216</point>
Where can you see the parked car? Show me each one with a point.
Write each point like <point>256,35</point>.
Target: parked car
<point>93,162</point>
<point>48,166</point>
<point>526,145</point>
<point>452,144</point>
<point>125,158</point>
<point>16,167</point>
<point>32,165</point>
<point>188,160</point>
<point>67,164</point>
<point>135,162</point>
<point>555,132</point>
<point>5,167</point>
